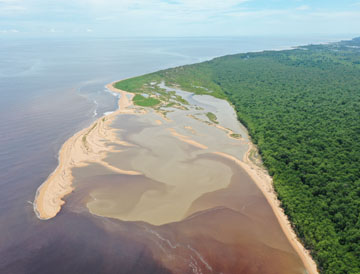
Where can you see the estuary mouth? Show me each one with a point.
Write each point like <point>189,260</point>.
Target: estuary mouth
<point>188,193</point>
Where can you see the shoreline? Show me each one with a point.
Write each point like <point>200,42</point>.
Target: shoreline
<point>75,152</point>
<point>264,182</point>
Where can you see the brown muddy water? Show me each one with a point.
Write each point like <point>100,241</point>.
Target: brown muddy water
<point>192,211</point>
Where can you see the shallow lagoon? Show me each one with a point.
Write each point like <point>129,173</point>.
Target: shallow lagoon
<point>187,199</point>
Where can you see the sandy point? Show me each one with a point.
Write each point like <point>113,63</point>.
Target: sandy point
<point>87,145</point>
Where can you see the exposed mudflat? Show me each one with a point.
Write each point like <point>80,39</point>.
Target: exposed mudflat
<point>193,207</point>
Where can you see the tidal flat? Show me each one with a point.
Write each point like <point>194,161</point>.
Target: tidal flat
<point>199,211</point>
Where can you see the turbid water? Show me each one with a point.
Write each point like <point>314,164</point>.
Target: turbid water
<point>193,205</point>
<point>178,173</point>
<point>52,88</point>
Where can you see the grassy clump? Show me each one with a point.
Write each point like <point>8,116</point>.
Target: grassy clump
<point>86,134</point>
<point>149,84</point>
<point>171,104</point>
<point>212,117</point>
<point>235,135</point>
<point>145,102</point>
<point>138,84</point>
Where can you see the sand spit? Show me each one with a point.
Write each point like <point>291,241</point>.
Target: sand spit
<point>186,139</point>
<point>264,181</point>
<point>86,146</point>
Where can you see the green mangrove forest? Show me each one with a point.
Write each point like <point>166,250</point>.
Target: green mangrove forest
<point>302,109</point>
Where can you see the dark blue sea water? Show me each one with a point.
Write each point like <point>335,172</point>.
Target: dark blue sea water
<point>51,88</point>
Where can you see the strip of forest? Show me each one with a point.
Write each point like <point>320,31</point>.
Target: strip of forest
<point>302,109</point>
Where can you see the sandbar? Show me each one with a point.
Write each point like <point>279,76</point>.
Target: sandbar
<point>86,146</point>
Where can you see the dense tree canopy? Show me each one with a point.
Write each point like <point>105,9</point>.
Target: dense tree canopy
<point>302,109</point>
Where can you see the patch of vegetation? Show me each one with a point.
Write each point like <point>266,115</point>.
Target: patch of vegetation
<point>86,134</point>
<point>181,100</point>
<point>176,77</point>
<point>149,84</point>
<point>255,158</point>
<point>212,117</point>
<point>235,135</point>
<point>138,84</point>
<point>145,102</point>
<point>171,104</point>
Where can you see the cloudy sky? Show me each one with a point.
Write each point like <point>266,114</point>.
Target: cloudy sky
<point>179,17</point>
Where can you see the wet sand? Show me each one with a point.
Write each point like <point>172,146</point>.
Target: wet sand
<point>263,180</point>
<point>88,145</point>
<point>178,179</point>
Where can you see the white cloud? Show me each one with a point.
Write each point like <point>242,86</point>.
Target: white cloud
<point>303,7</point>
<point>106,8</point>
<point>2,2</point>
<point>174,17</point>
<point>337,14</point>
<point>187,4</point>
<point>209,5</point>
<point>11,7</point>
<point>106,18</point>
<point>9,31</point>
<point>258,13</point>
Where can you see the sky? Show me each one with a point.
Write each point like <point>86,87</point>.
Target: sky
<point>176,18</point>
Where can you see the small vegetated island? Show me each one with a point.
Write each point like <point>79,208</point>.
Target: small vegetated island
<point>302,110</point>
